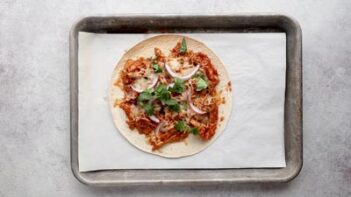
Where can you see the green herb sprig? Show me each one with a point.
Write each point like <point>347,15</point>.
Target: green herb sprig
<point>201,84</point>
<point>178,87</point>
<point>183,47</point>
<point>181,126</point>
<point>201,81</point>
<point>161,93</point>
<point>156,67</point>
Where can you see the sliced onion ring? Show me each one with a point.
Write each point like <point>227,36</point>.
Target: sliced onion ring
<point>158,128</point>
<point>154,118</point>
<point>185,77</point>
<point>154,82</point>
<point>137,89</point>
<point>193,107</point>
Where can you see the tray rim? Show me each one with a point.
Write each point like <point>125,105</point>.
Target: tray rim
<point>294,50</point>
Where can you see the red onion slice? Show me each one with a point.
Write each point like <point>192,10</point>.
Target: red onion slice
<point>158,128</point>
<point>154,118</point>
<point>193,107</point>
<point>153,83</point>
<point>137,89</point>
<point>185,77</point>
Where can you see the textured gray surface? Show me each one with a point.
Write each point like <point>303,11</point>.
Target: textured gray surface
<point>34,96</point>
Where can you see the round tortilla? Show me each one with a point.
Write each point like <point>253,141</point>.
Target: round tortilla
<point>193,144</point>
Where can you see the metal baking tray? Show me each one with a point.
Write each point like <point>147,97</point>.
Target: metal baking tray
<point>207,24</point>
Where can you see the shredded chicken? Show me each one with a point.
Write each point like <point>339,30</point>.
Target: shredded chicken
<point>205,100</point>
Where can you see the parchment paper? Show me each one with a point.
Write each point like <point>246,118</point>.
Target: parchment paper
<point>254,136</point>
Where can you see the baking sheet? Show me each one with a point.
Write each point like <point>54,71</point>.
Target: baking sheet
<point>255,133</point>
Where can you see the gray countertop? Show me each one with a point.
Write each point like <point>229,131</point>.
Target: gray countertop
<point>34,96</point>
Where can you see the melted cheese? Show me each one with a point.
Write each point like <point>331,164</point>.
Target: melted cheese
<point>146,81</point>
<point>176,66</point>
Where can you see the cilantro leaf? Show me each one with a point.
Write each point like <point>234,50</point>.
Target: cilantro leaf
<point>149,109</point>
<point>201,84</point>
<point>162,93</point>
<point>145,95</point>
<point>156,67</point>
<point>183,47</point>
<point>161,88</point>
<point>194,130</point>
<point>170,102</point>
<point>178,86</point>
<point>180,126</point>
<point>175,108</point>
<point>199,74</point>
<point>144,99</point>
